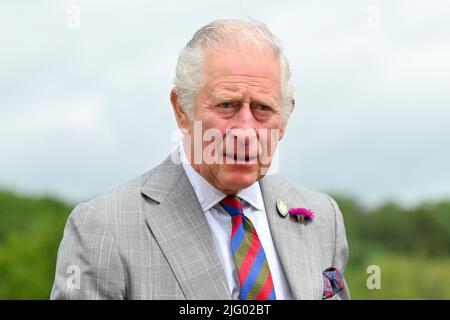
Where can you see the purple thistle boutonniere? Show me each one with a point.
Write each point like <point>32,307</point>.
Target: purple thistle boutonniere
<point>302,214</point>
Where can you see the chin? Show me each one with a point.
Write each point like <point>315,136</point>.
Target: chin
<point>239,180</point>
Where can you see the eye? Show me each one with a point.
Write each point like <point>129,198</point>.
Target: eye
<point>263,107</point>
<point>226,105</point>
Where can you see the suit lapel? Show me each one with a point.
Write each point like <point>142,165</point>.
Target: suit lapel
<point>180,227</point>
<point>294,241</point>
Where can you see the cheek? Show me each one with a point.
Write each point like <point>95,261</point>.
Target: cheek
<point>210,122</point>
<point>270,136</point>
<point>213,130</point>
<point>208,118</point>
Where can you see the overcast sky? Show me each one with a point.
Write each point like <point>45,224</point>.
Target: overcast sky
<point>84,103</point>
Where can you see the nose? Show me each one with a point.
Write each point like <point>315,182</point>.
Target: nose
<point>243,130</point>
<point>244,124</point>
<point>244,118</point>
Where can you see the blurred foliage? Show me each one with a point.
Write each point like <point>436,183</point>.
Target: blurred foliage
<point>410,245</point>
<point>30,231</point>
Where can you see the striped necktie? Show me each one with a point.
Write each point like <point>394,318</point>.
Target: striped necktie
<point>249,256</point>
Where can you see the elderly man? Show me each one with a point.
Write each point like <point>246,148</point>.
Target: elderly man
<point>210,222</point>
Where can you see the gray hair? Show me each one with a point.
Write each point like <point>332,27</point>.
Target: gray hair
<point>190,75</point>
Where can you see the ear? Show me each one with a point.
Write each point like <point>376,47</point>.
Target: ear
<point>292,105</point>
<point>182,118</point>
<point>283,128</point>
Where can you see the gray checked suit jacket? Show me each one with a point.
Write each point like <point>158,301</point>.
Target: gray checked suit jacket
<point>149,239</point>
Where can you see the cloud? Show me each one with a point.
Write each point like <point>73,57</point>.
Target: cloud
<point>84,110</point>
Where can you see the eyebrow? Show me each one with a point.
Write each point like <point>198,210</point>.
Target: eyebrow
<point>226,96</point>
<point>230,95</point>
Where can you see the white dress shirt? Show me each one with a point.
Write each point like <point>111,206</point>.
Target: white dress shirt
<point>220,225</point>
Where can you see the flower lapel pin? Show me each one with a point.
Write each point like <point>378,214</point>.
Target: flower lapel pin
<point>302,214</point>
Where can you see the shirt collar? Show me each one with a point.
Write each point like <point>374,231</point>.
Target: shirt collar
<point>209,196</point>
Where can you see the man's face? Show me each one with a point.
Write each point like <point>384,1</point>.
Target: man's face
<point>241,101</point>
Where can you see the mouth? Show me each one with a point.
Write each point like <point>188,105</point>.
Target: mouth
<point>234,158</point>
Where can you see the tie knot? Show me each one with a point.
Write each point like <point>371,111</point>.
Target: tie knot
<point>232,205</point>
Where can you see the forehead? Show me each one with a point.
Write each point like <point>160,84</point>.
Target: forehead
<point>230,71</point>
